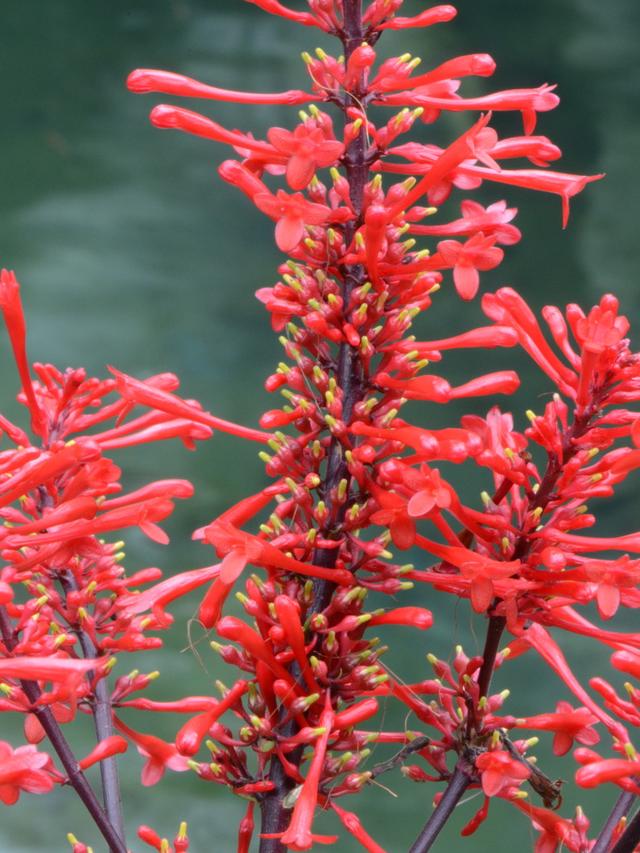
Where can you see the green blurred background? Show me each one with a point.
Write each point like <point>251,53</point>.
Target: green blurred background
<point>131,251</point>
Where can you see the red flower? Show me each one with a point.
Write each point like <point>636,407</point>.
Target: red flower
<point>306,149</point>
<point>393,514</point>
<point>292,213</point>
<point>569,724</point>
<point>435,15</point>
<point>491,221</point>
<point>273,7</point>
<point>146,393</point>
<point>159,754</point>
<point>144,80</point>
<point>112,745</point>
<point>528,101</point>
<point>478,253</point>
<point>500,771</point>
<point>11,307</point>
<point>298,835</point>
<point>608,770</point>
<point>352,823</point>
<point>428,489</point>
<point>23,769</point>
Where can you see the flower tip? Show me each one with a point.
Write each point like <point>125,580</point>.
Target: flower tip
<point>8,283</point>
<point>483,65</point>
<point>163,116</point>
<point>138,81</point>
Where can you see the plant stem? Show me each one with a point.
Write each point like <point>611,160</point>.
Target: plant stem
<point>630,838</point>
<point>456,787</point>
<point>103,722</point>
<point>497,623</point>
<point>349,378</point>
<point>77,779</point>
<point>620,809</point>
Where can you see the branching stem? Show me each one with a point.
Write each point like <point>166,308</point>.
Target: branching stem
<point>76,777</point>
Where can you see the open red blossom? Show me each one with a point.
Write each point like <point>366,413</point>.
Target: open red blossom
<point>568,724</point>
<point>491,221</point>
<point>478,253</point>
<point>160,755</point>
<point>306,149</point>
<point>23,769</point>
<point>428,489</point>
<point>394,515</point>
<point>556,832</point>
<point>500,772</point>
<point>292,214</point>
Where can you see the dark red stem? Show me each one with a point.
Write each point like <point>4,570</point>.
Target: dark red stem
<point>456,787</point>
<point>542,497</point>
<point>274,816</point>
<point>52,729</point>
<point>630,838</point>
<point>621,809</point>
<point>498,623</point>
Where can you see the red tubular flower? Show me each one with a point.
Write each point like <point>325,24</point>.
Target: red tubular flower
<point>550,652</point>
<point>289,618</point>
<point>393,514</point>
<point>225,538</point>
<point>273,7</point>
<point>11,307</point>
<point>417,617</point>
<point>492,221</point>
<point>429,491</point>
<point>501,382</point>
<point>608,770</point>
<point>306,149</point>
<point>157,597</point>
<point>500,771</point>
<point>475,64</point>
<point>352,823</point>
<point>528,101</point>
<point>24,769</point>
<point>436,15</point>
<point>555,830</point>
<point>57,669</point>
<point>292,214</point>
<point>245,830</point>
<point>559,183</point>
<point>357,713</point>
<point>234,629</point>
<point>144,80</point>
<point>298,835</point>
<point>159,754</point>
<point>112,745</point>
<point>462,149</point>
<point>168,117</point>
<point>145,394</point>
<point>194,731</point>
<point>568,724</point>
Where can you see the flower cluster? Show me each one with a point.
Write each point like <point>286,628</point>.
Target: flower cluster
<point>67,604</point>
<point>351,479</point>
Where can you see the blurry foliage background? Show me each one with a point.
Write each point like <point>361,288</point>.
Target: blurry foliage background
<point>132,252</point>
